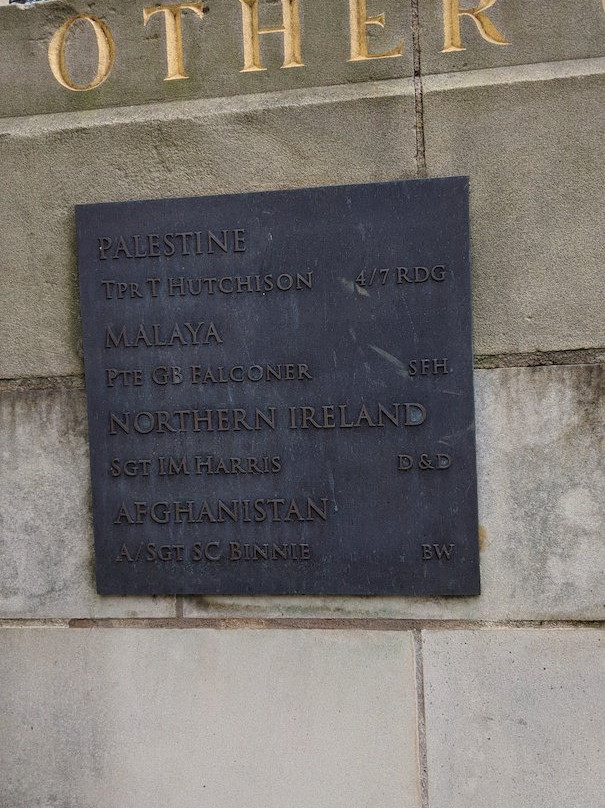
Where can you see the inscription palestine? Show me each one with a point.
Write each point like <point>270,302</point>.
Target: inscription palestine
<point>280,392</point>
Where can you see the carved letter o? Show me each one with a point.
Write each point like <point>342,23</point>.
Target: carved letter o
<point>106,53</point>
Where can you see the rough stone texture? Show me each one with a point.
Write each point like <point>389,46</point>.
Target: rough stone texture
<point>180,719</point>
<point>46,552</point>
<point>540,445</point>
<point>533,151</point>
<point>212,47</point>
<point>515,718</point>
<point>337,135</point>
<point>536,31</point>
<point>536,189</point>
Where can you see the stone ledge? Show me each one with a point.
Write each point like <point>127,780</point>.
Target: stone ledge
<point>514,74</point>
<point>199,109</point>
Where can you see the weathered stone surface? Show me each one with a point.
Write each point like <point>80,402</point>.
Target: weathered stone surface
<point>536,32</point>
<point>536,266</point>
<point>531,142</point>
<point>46,552</point>
<point>541,444</point>
<point>223,718</point>
<point>515,718</point>
<point>540,440</point>
<point>212,48</point>
<point>337,135</point>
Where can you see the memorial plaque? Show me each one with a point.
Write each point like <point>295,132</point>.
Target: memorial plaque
<point>280,392</point>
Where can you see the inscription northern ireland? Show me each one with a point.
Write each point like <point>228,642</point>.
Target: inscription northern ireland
<point>280,392</point>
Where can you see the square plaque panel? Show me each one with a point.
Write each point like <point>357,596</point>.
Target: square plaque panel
<point>280,392</point>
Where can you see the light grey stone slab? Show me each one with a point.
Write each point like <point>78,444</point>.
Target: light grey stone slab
<point>536,32</point>
<point>515,718</point>
<point>340,135</point>
<point>541,475</point>
<point>212,49</point>
<point>46,546</point>
<point>180,719</point>
<point>532,143</point>
<point>541,481</point>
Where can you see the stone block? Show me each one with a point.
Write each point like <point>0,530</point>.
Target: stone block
<point>531,142</point>
<point>515,718</point>
<point>361,133</point>
<point>46,545</point>
<point>541,508</point>
<point>541,480</point>
<point>203,717</point>
<point>213,54</point>
<point>536,32</point>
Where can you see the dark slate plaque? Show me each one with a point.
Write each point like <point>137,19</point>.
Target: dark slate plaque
<point>280,392</point>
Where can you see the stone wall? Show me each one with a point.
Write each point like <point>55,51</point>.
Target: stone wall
<point>297,701</point>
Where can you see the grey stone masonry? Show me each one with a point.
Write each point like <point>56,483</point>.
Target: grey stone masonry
<point>493,701</point>
<point>537,255</point>
<point>534,32</point>
<point>536,190</point>
<point>46,552</point>
<point>515,718</point>
<point>540,450</point>
<point>213,53</point>
<point>540,435</point>
<point>179,719</point>
<point>54,162</point>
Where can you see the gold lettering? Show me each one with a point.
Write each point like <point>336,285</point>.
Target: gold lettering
<point>358,23</point>
<point>105,58</point>
<point>451,24</point>
<point>251,35</point>
<point>175,61</point>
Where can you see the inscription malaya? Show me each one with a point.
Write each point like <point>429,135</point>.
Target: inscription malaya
<point>289,384</point>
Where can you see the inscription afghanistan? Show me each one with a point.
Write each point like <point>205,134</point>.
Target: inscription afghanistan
<point>280,392</point>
